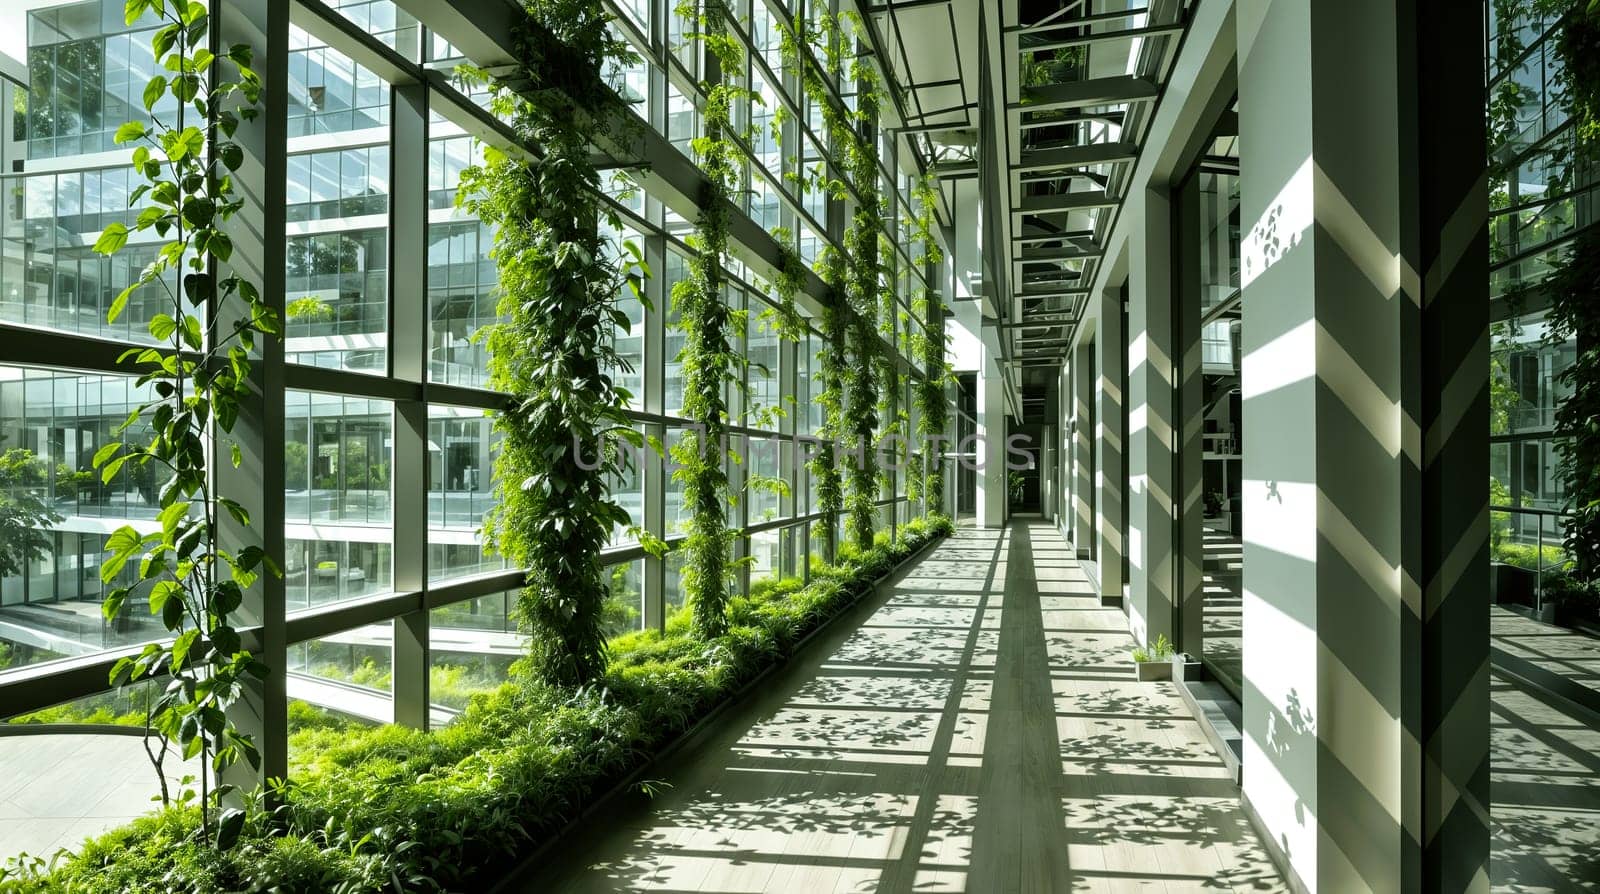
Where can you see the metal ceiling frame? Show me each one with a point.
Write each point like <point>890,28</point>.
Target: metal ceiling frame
<point>1055,167</point>
<point>1047,222</point>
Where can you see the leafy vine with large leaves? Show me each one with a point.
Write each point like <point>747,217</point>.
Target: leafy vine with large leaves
<point>1574,289</point>
<point>554,353</point>
<point>851,134</point>
<point>709,359</point>
<point>200,373</point>
<point>933,409</point>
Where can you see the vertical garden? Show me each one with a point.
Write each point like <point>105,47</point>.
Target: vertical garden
<point>585,709</point>
<point>1544,123</point>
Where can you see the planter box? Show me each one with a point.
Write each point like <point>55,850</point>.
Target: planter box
<point>1186,668</point>
<point>660,762</point>
<point>1152,671</point>
<point>1510,584</point>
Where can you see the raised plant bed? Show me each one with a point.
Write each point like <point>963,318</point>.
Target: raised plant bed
<point>1153,671</point>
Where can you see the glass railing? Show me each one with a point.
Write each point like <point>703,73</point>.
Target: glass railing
<point>1529,538</point>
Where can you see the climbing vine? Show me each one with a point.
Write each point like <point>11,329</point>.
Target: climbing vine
<point>554,352</point>
<point>710,360</point>
<point>784,318</point>
<point>862,244</point>
<point>852,136</point>
<point>201,376</point>
<point>1574,289</point>
<point>834,372</point>
<point>893,418</point>
<point>933,410</point>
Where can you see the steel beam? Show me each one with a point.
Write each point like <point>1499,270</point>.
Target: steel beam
<point>1082,94</point>
<point>1055,22</point>
<point>1082,200</point>
<point>1075,156</point>
<point>1057,253</point>
<point>1083,40</point>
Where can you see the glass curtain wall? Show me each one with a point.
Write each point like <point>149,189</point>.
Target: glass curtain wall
<point>1539,201</point>
<point>348,472</point>
<point>1209,262</point>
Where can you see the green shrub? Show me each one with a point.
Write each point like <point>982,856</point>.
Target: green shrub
<point>386,808</point>
<point>1574,600</point>
<point>1528,555</point>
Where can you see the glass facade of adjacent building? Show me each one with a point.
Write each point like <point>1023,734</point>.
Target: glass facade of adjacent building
<point>1540,200</point>
<point>346,401</point>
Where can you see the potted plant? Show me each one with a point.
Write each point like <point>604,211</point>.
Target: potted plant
<point>1155,662</point>
<point>1510,583</point>
<point>1566,599</point>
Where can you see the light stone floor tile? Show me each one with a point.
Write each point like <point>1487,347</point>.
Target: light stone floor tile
<point>977,728</point>
<point>58,789</point>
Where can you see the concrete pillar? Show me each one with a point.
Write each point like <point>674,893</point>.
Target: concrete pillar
<point>1047,471</point>
<point>257,483</point>
<point>1083,449</point>
<point>1151,576</point>
<point>652,466</point>
<point>1111,469</point>
<point>1366,757</point>
<point>991,447</point>
<point>408,353</point>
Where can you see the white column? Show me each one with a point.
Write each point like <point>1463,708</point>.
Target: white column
<point>991,448</point>
<point>1150,414</point>
<point>1364,267</point>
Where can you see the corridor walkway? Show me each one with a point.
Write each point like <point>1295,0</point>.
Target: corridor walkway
<point>976,728</point>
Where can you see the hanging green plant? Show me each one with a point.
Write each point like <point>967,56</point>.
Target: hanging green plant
<point>1574,291</point>
<point>201,378</point>
<point>784,318</point>
<point>834,373</point>
<point>1579,48</point>
<point>1575,314</point>
<point>554,353</point>
<point>933,410</point>
<point>867,317</point>
<point>711,363</point>
<point>862,244</point>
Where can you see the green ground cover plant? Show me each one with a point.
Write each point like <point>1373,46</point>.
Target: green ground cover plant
<point>396,809</point>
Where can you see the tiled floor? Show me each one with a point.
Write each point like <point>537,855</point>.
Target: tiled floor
<point>1545,780</point>
<point>57,790</point>
<point>1558,650</point>
<point>1545,792</point>
<point>977,728</point>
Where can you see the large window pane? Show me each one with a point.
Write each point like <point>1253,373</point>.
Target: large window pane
<point>461,447</point>
<point>338,453</point>
<point>472,645</point>
<point>349,673</point>
<point>51,424</point>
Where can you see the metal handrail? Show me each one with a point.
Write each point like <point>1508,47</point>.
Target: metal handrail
<point>1531,510</point>
<point>1538,564</point>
